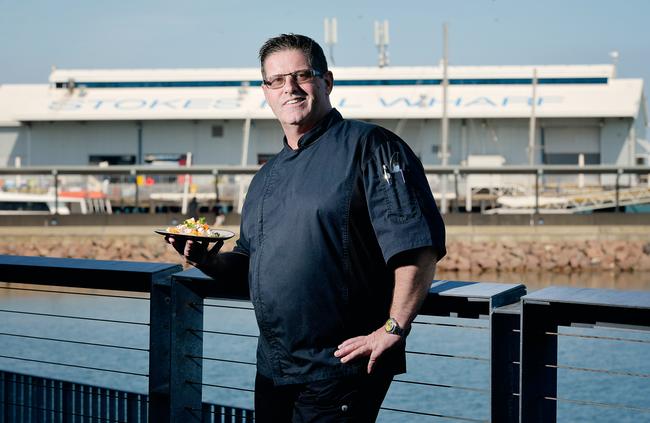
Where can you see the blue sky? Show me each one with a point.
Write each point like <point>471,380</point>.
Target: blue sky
<point>34,35</point>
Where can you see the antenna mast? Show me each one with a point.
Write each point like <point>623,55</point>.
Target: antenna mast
<point>330,36</point>
<point>381,41</point>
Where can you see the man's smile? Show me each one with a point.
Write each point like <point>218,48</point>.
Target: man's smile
<point>294,101</point>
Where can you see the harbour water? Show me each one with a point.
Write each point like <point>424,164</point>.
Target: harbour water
<point>468,373</point>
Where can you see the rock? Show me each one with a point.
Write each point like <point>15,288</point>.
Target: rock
<point>446,264</point>
<point>629,263</point>
<point>532,263</point>
<point>487,263</point>
<point>561,260</point>
<point>621,255</point>
<point>594,253</point>
<point>463,264</point>
<point>608,263</point>
<point>643,264</point>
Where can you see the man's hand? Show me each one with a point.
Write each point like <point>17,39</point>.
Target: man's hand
<point>372,345</point>
<point>194,252</point>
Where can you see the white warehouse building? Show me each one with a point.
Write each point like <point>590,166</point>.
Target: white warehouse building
<point>143,116</point>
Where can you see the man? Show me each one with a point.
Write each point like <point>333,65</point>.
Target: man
<point>339,239</point>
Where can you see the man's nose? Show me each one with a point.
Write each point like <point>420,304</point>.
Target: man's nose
<point>291,85</point>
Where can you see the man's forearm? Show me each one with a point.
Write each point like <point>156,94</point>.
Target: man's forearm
<point>413,275</point>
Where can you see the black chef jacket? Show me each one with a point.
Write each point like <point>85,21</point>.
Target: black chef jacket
<point>319,225</point>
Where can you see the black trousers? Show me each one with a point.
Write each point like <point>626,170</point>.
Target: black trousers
<point>350,399</point>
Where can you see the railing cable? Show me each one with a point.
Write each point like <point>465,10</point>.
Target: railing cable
<point>224,333</point>
<point>94,319</point>
<point>609,372</point>
<point>94,344</point>
<point>438,385</point>
<point>224,306</point>
<point>599,404</point>
<point>451,325</point>
<point>78,366</point>
<point>220,386</point>
<point>442,416</point>
<point>223,360</point>
<point>608,338</point>
<point>461,357</point>
<point>74,293</point>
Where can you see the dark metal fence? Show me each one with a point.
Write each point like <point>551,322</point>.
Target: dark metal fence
<point>505,323</point>
<point>26,398</point>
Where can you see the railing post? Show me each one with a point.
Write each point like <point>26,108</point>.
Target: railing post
<point>538,356</point>
<point>538,174</point>
<point>186,353</point>
<point>618,189</point>
<point>136,193</point>
<point>456,175</point>
<point>159,351</point>
<point>176,345</point>
<point>55,174</point>
<point>504,367</point>
<point>215,173</point>
<point>67,409</point>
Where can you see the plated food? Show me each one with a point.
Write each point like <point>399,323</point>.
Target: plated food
<point>196,229</point>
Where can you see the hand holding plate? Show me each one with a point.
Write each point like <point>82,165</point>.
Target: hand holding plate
<point>195,252</point>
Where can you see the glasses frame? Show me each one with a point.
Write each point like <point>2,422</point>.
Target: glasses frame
<point>294,75</point>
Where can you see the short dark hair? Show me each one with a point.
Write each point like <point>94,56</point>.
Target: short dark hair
<point>310,48</point>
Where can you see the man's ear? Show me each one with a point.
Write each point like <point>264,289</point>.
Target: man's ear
<point>329,81</point>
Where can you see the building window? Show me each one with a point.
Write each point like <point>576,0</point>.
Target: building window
<point>564,145</point>
<point>112,160</point>
<point>217,131</point>
<point>165,159</point>
<point>572,158</point>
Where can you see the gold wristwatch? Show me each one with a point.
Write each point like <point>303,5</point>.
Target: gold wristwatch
<point>391,326</point>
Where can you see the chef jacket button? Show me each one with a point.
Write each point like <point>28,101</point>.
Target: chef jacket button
<point>344,408</point>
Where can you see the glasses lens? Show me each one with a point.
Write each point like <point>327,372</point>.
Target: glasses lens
<point>276,81</point>
<point>301,77</point>
<point>304,75</point>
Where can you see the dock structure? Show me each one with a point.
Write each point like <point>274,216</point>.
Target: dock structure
<point>492,190</point>
<point>522,343</point>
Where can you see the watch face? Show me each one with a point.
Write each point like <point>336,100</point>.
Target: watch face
<point>390,325</point>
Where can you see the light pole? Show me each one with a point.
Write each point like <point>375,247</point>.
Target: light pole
<point>444,127</point>
<point>331,30</point>
<point>614,55</point>
<point>381,41</point>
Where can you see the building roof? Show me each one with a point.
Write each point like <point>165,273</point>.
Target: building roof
<point>362,93</point>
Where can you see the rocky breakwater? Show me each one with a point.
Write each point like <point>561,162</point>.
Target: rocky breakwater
<point>474,257</point>
<point>131,248</point>
<point>559,256</point>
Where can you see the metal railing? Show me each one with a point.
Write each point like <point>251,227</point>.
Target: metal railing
<point>544,313</point>
<point>509,371</point>
<point>542,188</point>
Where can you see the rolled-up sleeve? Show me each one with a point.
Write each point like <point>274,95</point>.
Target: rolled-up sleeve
<point>402,210</point>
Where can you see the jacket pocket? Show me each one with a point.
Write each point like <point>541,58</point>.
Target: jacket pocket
<point>401,200</point>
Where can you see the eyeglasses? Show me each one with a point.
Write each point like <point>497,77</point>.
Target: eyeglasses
<point>300,76</point>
